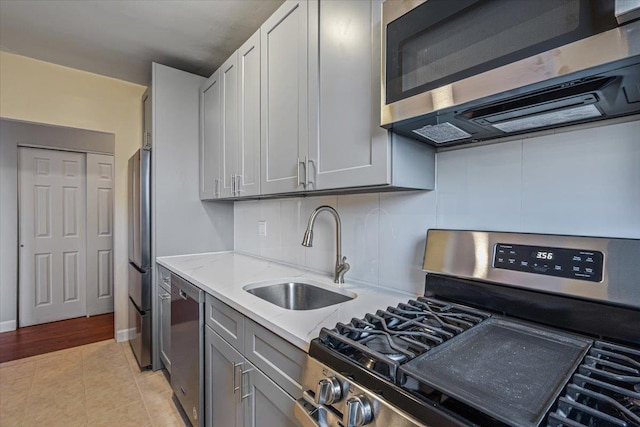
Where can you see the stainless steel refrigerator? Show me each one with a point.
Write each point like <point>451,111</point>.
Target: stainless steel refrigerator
<point>140,255</point>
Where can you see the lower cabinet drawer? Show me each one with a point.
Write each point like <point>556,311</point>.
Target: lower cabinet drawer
<point>278,358</point>
<point>226,321</point>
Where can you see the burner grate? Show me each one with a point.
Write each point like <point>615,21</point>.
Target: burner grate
<point>605,391</point>
<point>381,342</point>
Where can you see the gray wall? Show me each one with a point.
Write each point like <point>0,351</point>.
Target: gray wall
<point>581,182</point>
<point>8,228</point>
<point>13,133</point>
<point>183,224</point>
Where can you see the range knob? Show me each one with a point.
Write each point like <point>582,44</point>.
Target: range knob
<point>329,391</point>
<point>358,412</point>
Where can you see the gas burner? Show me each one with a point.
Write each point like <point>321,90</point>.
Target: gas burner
<point>381,342</point>
<point>388,346</point>
<point>604,391</point>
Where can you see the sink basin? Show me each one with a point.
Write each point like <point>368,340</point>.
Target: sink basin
<point>294,295</point>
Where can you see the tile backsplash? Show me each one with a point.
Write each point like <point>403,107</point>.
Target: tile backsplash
<point>582,182</point>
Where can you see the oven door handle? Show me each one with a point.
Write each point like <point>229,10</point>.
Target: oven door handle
<point>309,414</point>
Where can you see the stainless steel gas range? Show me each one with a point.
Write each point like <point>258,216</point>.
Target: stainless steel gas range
<point>513,330</point>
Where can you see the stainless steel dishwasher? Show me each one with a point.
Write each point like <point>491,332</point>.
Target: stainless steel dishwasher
<point>187,347</point>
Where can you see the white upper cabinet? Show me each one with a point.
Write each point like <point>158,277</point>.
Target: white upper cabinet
<point>248,183</point>
<point>300,108</point>
<point>347,146</point>
<point>230,117</point>
<point>284,98</point>
<point>229,120</point>
<point>210,138</point>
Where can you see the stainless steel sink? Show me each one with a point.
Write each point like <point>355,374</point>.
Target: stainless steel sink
<point>297,296</point>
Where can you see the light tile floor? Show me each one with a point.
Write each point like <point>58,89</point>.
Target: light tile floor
<point>94,385</point>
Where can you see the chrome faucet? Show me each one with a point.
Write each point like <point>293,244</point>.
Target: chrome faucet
<point>341,261</point>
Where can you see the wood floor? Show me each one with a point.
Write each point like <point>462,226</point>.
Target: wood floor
<point>48,337</point>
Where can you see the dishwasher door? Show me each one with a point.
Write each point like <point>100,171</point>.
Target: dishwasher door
<point>187,346</point>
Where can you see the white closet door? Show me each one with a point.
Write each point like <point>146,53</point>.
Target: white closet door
<point>99,234</point>
<point>52,236</point>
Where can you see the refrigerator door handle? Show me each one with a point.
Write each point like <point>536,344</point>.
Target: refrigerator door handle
<point>135,255</point>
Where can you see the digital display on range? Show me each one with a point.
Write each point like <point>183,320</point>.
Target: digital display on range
<point>543,255</point>
<point>580,264</point>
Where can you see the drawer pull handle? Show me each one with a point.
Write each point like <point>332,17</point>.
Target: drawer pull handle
<point>233,367</point>
<point>244,396</point>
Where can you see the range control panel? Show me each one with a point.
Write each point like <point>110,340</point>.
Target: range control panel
<point>560,262</point>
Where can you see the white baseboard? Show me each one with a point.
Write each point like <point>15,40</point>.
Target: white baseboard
<point>9,325</point>
<point>125,334</point>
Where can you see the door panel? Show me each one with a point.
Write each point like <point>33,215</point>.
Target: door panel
<point>43,273</point>
<point>210,138</point>
<point>223,366</point>
<point>346,144</point>
<point>284,98</point>
<point>99,234</point>
<point>135,254</point>
<point>71,271</point>
<point>164,304</point>
<point>140,323</point>
<point>249,116</point>
<point>52,235</point>
<point>229,108</point>
<point>266,404</point>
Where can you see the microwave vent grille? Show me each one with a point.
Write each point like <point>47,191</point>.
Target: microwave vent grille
<point>442,132</point>
<point>582,112</point>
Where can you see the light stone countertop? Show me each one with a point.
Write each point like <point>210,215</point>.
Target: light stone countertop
<point>224,274</point>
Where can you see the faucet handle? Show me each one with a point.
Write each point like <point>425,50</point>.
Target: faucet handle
<point>344,266</point>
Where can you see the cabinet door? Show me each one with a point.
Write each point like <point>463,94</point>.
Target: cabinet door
<point>284,98</point>
<point>264,403</point>
<point>249,116</point>
<point>210,138</point>
<point>347,146</point>
<point>223,371</point>
<point>229,120</point>
<point>164,304</point>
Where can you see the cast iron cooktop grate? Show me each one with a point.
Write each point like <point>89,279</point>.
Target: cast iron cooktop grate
<point>604,391</point>
<point>381,342</point>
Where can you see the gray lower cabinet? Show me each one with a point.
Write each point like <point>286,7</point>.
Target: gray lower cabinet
<point>252,376</point>
<point>164,307</point>
<point>267,404</point>
<point>223,397</point>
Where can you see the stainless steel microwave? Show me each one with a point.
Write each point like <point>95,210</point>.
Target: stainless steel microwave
<point>460,71</point>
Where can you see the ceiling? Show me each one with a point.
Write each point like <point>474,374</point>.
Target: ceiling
<point>120,38</point>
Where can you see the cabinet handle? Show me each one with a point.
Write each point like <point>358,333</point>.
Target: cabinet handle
<point>315,171</point>
<point>234,367</point>
<point>165,296</point>
<point>233,185</point>
<point>183,294</point>
<point>217,188</point>
<point>238,191</point>
<point>304,184</point>
<point>307,169</point>
<point>244,396</point>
